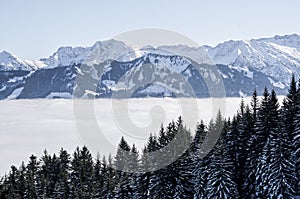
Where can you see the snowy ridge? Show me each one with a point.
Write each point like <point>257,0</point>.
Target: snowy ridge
<point>9,62</point>
<point>112,66</point>
<point>99,52</point>
<point>277,57</point>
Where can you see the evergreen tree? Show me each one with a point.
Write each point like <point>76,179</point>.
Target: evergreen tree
<point>201,177</point>
<point>12,183</point>
<point>256,143</point>
<point>242,129</point>
<point>184,166</point>
<point>215,128</point>
<point>153,182</point>
<point>220,178</point>
<point>274,175</point>
<point>123,189</point>
<point>286,144</point>
<point>112,179</point>
<point>144,176</point>
<point>31,171</point>
<point>82,173</point>
<point>133,168</point>
<point>22,181</point>
<point>254,105</point>
<point>103,185</point>
<point>121,159</point>
<point>48,175</point>
<point>296,140</point>
<point>199,138</point>
<point>200,162</point>
<point>62,189</point>
<point>97,178</point>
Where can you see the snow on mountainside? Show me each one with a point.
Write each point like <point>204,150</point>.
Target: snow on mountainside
<point>99,52</point>
<point>110,67</point>
<point>196,54</point>
<point>277,57</point>
<point>147,75</point>
<point>10,62</point>
<point>292,41</point>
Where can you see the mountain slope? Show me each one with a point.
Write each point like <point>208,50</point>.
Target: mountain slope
<point>277,57</point>
<point>113,69</point>
<point>99,52</point>
<point>10,62</point>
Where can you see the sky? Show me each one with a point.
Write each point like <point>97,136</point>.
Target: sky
<point>33,29</point>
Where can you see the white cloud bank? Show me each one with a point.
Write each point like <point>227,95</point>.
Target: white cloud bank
<point>30,126</point>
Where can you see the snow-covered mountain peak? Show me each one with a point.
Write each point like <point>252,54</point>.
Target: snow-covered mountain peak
<point>173,63</point>
<point>8,61</point>
<point>198,55</point>
<point>6,56</point>
<point>281,37</point>
<point>111,43</point>
<point>97,53</point>
<point>109,49</point>
<point>292,40</point>
<point>66,56</point>
<point>276,57</point>
<point>252,63</point>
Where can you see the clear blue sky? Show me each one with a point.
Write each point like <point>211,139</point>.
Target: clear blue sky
<point>32,29</point>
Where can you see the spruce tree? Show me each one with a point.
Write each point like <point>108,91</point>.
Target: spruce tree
<point>287,145</point>
<point>296,140</point>
<point>123,189</point>
<point>12,183</point>
<point>112,177</point>
<point>274,174</point>
<point>184,166</point>
<point>31,174</point>
<point>256,143</point>
<point>220,177</point>
<point>242,129</point>
<point>97,177</point>
<point>62,189</point>
<point>199,138</point>
<point>133,169</point>
<point>22,181</point>
<point>201,163</point>
<point>144,175</point>
<point>82,173</point>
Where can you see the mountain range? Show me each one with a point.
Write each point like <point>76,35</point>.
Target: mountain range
<point>113,69</point>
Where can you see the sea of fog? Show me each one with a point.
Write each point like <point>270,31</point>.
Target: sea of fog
<point>30,126</point>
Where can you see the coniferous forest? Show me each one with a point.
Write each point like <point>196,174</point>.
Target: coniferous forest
<point>257,155</point>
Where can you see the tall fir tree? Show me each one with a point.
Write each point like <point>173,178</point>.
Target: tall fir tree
<point>123,189</point>
<point>274,174</point>
<point>82,173</point>
<point>256,144</point>
<point>200,161</point>
<point>220,178</point>
<point>62,189</point>
<point>287,146</point>
<point>97,178</point>
<point>296,140</point>
<point>31,175</point>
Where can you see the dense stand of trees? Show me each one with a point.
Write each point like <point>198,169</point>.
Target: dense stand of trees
<point>255,156</point>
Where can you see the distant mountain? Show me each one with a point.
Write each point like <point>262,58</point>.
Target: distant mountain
<point>113,69</point>
<point>10,62</point>
<point>277,57</point>
<point>99,52</point>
